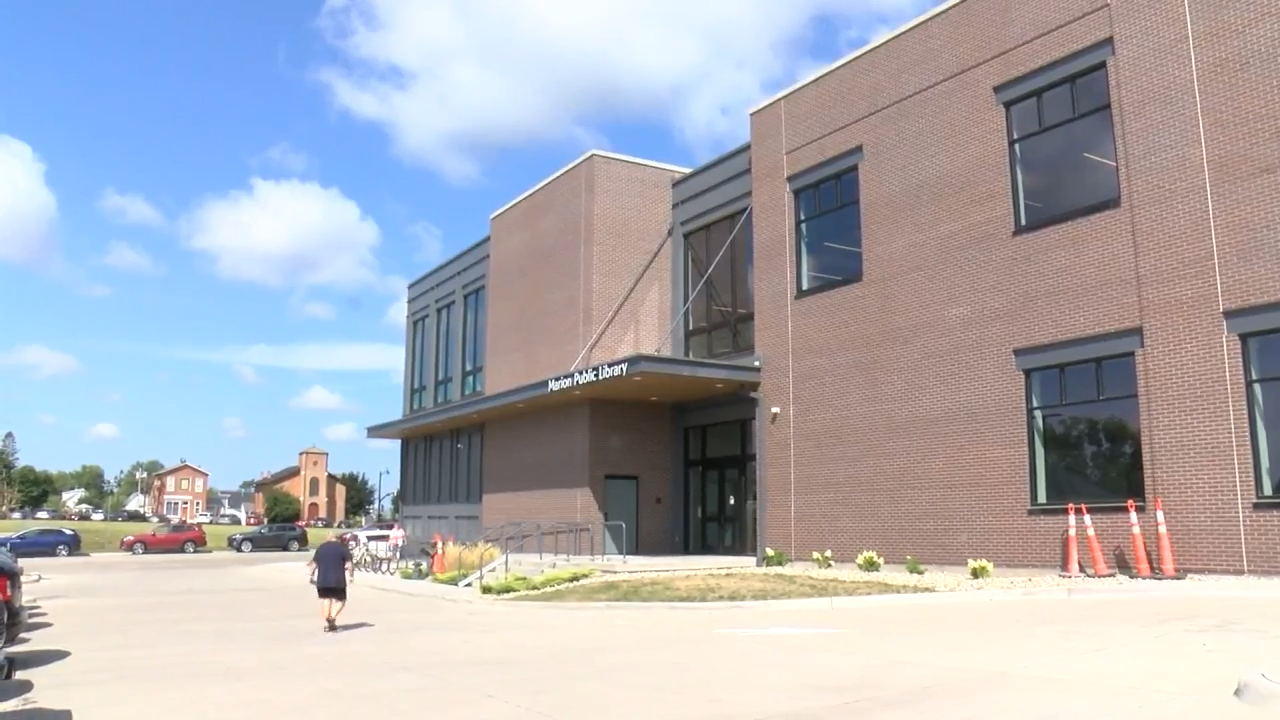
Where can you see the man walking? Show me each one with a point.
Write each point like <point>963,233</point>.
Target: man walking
<point>397,540</point>
<point>331,572</point>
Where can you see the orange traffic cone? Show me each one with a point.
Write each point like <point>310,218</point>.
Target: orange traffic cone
<point>1072,568</point>
<point>1100,569</point>
<point>437,557</point>
<point>1141,565</point>
<point>1168,570</point>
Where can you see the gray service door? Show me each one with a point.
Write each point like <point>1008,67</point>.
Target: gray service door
<point>621,504</point>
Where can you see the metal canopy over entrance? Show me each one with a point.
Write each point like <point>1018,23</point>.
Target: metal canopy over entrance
<point>640,378</point>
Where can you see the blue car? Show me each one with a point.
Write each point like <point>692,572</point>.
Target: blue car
<point>59,542</point>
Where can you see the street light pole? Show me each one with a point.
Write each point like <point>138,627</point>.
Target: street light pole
<point>142,475</point>
<point>377,511</point>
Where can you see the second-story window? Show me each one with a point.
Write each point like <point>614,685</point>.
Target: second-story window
<point>721,315</point>
<point>418,364</point>
<point>1062,152</point>
<point>473,329</point>
<point>829,233</point>
<point>444,354</point>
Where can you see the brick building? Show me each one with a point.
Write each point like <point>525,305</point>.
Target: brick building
<point>1069,293</point>
<point>183,491</point>
<point>317,489</point>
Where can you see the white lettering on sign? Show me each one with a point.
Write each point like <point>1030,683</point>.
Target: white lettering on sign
<point>588,376</point>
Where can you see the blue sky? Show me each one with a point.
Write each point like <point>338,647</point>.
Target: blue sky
<point>209,211</point>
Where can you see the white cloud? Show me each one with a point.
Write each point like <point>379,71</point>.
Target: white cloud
<point>28,209</point>
<point>126,257</point>
<point>317,310</point>
<point>352,356</point>
<point>103,431</point>
<point>45,419</point>
<point>430,243</point>
<point>233,427</point>
<point>397,314</point>
<point>341,432</point>
<point>285,157</point>
<point>129,209</point>
<point>451,81</point>
<point>246,373</point>
<point>41,362</point>
<point>286,233</point>
<point>380,444</point>
<point>317,397</point>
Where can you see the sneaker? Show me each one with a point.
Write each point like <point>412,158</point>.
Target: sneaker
<point>331,625</point>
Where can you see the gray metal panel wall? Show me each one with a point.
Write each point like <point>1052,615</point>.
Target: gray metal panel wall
<point>459,522</point>
<point>446,284</point>
<point>719,188</point>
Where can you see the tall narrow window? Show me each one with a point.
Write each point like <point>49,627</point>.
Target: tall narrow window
<point>829,233</point>
<point>473,328</point>
<point>418,364</point>
<point>1262,375</point>
<point>444,354</point>
<point>1062,151</point>
<point>1084,434</point>
<point>721,316</point>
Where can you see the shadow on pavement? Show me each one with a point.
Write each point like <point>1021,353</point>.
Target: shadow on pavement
<point>355,626</point>
<point>28,659</point>
<point>37,625</point>
<point>20,640</point>
<point>14,689</point>
<point>33,614</point>
<point>36,714</point>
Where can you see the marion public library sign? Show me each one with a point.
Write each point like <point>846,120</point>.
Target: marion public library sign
<point>588,376</point>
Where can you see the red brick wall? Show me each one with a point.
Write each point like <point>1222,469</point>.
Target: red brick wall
<point>900,393</point>
<point>631,217</point>
<point>550,466</point>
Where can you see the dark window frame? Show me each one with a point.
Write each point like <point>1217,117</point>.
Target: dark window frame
<point>474,323</point>
<point>1038,94</point>
<point>1250,382</point>
<point>443,354</point>
<point>1031,407</point>
<point>736,322</point>
<point>841,203</point>
<point>418,363</point>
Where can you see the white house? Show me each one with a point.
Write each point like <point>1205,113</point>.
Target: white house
<point>71,498</point>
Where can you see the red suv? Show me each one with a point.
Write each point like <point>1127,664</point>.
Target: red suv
<point>176,537</point>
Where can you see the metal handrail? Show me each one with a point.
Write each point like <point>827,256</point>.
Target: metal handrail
<point>512,537</point>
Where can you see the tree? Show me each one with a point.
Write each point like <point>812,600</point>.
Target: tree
<point>395,504</point>
<point>31,487</point>
<point>247,486</point>
<point>281,507</point>
<point>359,493</point>
<point>8,463</point>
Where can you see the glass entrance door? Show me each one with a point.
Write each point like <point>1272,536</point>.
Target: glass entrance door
<point>721,489</point>
<point>723,509</point>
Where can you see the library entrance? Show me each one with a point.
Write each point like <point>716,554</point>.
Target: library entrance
<point>720,474</point>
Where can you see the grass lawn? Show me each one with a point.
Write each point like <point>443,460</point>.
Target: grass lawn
<point>97,537</point>
<point>732,587</point>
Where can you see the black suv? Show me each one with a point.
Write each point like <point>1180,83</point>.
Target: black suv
<point>273,536</point>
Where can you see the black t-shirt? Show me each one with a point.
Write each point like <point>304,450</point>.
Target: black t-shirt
<point>331,559</point>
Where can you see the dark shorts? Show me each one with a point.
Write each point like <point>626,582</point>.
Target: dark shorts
<point>332,593</point>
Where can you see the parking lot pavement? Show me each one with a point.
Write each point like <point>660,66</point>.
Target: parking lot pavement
<point>220,638</point>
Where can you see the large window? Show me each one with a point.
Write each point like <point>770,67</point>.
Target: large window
<point>1062,152</point>
<point>1262,374</point>
<point>1085,442</point>
<point>444,354</point>
<point>473,328</point>
<point>418,364</point>
<point>829,233</point>
<point>721,316</point>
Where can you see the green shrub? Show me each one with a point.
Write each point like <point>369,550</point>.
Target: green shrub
<point>914,567</point>
<point>407,574</point>
<point>515,582</point>
<point>823,560</point>
<point>869,561</point>
<point>981,569</point>
<point>450,578</point>
<point>775,558</point>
